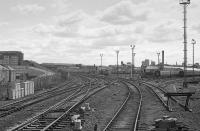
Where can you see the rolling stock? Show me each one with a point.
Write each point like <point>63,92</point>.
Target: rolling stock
<point>170,72</point>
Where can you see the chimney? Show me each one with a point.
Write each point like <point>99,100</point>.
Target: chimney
<point>163,58</point>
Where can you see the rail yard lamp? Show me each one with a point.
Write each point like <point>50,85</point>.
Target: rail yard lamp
<point>185,3</point>
<point>117,51</point>
<point>193,43</point>
<point>132,49</point>
<point>158,58</point>
<point>101,55</point>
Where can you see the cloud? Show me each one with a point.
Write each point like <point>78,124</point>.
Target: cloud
<point>28,9</point>
<point>196,28</point>
<point>61,6</point>
<point>76,34</point>
<point>42,29</point>
<point>2,24</point>
<point>125,12</point>
<point>73,18</point>
<point>164,32</point>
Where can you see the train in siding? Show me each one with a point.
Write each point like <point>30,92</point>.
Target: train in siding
<point>170,71</point>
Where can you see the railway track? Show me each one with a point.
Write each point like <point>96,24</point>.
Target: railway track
<point>21,104</point>
<point>58,116</point>
<point>127,116</point>
<point>160,93</point>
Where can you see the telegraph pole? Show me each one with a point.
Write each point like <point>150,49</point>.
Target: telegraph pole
<point>185,3</point>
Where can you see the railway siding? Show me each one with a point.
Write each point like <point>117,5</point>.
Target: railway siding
<point>151,109</point>
<point>187,119</point>
<point>126,118</point>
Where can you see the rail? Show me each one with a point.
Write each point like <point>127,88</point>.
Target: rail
<point>164,92</point>
<point>136,120</point>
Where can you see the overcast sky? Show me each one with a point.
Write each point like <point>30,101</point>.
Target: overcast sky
<point>77,31</point>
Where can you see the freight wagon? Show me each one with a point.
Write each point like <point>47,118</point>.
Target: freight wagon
<point>170,72</point>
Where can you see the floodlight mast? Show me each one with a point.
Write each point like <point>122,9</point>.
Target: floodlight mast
<point>193,43</point>
<point>158,58</point>
<point>185,3</point>
<point>117,51</point>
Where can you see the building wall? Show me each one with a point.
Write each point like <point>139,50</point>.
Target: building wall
<point>4,75</point>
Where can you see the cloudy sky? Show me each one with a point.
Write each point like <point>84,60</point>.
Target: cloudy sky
<point>77,31</point>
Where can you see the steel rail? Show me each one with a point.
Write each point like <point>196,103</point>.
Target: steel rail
<point>158,96</point>
<point>35,95</point>
<point>175,100</point>
<point>117,113</point>
<point>57,105</point>
<point>135,122</point>
<point>85,97</point>
<point>65,113</point>
<point>139,107</point>
<point>45,111</point>
<point>21,105</point>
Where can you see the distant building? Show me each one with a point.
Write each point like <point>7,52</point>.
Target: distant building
<point>129,63</point>
<point>145,62</point>
<point>153,63</point>
<point>11,57</point>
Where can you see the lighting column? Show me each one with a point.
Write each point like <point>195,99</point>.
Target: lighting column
<point>134,62</point>
<point>193,43</point>
<point>117,51</point>
<point>158,57</point>
<point>101,55</point>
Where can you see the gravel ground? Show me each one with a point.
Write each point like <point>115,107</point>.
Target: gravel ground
<point>104,104</point>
